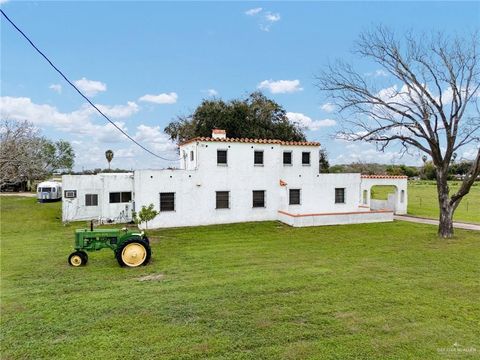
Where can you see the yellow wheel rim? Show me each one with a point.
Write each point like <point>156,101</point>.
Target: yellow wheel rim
<point>76,260</point>
<point>134,254</point>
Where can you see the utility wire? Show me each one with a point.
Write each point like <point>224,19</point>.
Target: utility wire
<point>81,94</point>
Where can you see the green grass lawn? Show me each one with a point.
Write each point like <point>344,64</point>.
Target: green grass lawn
<point>241,291</point>
<point>422,200</point>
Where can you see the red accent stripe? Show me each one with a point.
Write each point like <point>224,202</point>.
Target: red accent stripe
<point>255,141</point>
<point>384,177</point>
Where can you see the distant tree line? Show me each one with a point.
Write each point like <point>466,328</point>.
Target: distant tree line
<point>425,172</point>
<point>96,171</point>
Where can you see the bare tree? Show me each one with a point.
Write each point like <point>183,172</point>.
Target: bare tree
<point>434,110</point>
<point>25,155</point>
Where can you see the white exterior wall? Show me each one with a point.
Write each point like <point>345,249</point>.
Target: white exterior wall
<point>318,192</point>
<point>195,191</point>
<point>185,153</point>
<point>102,185</point>
<point>195,188</point>
<point>196,183</point>
<point>336,219</point>
<point>397,201</point>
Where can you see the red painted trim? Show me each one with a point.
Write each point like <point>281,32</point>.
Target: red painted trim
<point>337,213</point>
<point>384,177</point>
<point>254,141</point>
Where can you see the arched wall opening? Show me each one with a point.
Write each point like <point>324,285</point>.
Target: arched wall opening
<point>380,192</point>
<point>384,197</point>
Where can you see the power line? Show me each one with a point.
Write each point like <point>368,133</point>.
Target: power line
<point>81,94</point>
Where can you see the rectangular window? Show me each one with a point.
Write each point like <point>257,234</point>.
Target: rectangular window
<point>91,200</point>
<point>114,197</point>
<point>192,156</point>
<point>120,197</point>
<point>70,194</point>
<point>126,196</point>
<point>222,157</point>
<point>339,195</point>
<point>287,158</point>
<point>305,158</point>
<point>222,199</point>
<point>167,201</point>
<point>258,198</point>
<point>258,157</point>
<point>294,197</point>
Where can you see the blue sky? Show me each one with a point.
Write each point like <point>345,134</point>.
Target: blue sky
<point>146,62</point>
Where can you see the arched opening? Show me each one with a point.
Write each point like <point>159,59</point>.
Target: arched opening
<point>383,197</point>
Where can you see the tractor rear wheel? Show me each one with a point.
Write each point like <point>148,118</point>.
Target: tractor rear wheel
<point>133,253</point>
<point>78,258</point>
<point>85,256</point>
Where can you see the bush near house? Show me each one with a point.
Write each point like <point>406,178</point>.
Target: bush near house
<point>240,291</point>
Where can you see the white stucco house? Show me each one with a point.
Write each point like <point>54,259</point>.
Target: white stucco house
<point>226,180</point>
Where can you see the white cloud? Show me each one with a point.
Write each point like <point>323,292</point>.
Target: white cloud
<point>90,87</point>
<point>280,86</point>
<point>118,111</point>
<point>211,92</point>
<point>78,122</point>
<point>164,98</point>
<point>123,153</point>
<point>470,154</point>
<point>154,137</point>
<point>56,87</point>
<point>272,17</point>
<point>91,139</point>
<point>377,73</point>
<point>328,107</point>
<point>307,123</point>
<point>367,153</point>
<point>3,1</point>
<point>268,20</point>
<point>254,11</point>
<point>349,137</point>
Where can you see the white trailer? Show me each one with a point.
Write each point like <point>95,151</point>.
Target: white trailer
<point>49,191</point>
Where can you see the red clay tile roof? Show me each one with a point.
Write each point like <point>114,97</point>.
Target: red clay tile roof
<point>384,177</point>
<point>255,141</point>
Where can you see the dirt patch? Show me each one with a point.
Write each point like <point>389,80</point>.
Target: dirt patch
<point>152,277</point>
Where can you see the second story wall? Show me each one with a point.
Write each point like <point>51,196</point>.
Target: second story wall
<point>253,158</point>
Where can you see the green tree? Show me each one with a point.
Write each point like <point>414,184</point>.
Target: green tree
<point>109,157</point>
<point>429,171</point>
<point>324,165</point>
<point>253,117</point>
<point>145,215</point>
<point>58,155</point>
<point>409,171</point>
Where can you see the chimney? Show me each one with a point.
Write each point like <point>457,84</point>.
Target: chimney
<point>219,134</point>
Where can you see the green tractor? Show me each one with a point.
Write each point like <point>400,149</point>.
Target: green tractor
<point>131,248</point>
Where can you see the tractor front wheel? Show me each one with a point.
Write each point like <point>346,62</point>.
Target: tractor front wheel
<point>133,253</point>
<point>78,258</point>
